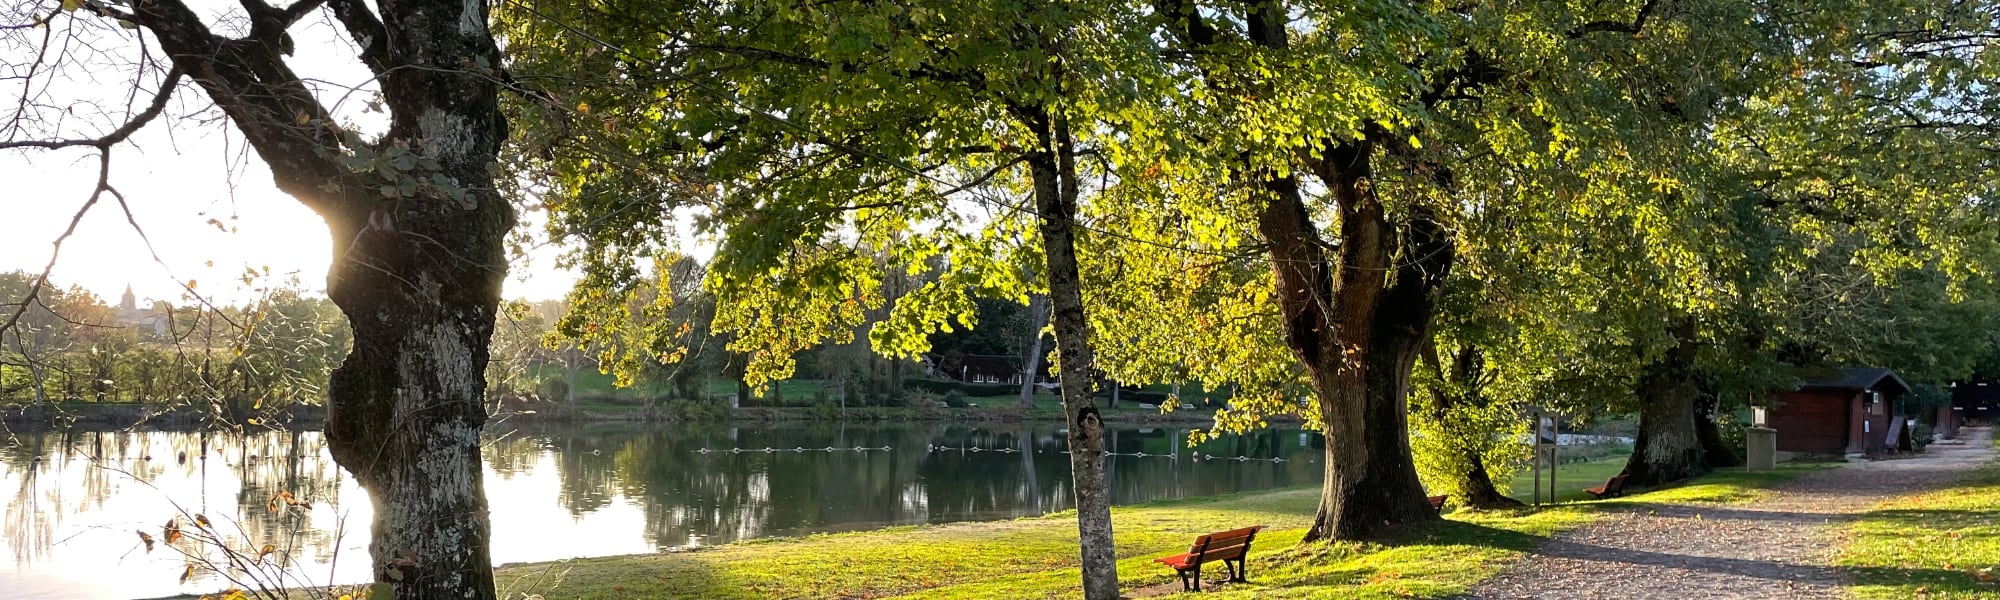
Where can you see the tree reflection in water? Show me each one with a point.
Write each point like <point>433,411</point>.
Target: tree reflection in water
<point>560,491</point>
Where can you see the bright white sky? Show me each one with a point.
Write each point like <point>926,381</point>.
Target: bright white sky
<point>178,174</point>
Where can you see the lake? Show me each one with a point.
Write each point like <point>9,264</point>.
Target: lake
<point>75,500</point>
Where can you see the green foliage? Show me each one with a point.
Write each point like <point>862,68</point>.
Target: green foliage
<point>1797,187</point>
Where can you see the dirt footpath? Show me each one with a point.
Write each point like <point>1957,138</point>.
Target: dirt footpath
<point>1780,546</point>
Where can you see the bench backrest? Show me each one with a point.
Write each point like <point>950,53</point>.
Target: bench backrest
<point>1227,545</point>
<point>1616,485</point>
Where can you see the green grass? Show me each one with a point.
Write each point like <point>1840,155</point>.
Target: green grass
<point>1941,544</point>
<point>1571,479</point>
<point>1727,486</point>
<point>1036,557</point>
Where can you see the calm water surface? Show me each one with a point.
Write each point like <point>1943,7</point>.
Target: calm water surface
<point>75,500</point>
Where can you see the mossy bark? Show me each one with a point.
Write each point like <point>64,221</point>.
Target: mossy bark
<point>1053,169</point>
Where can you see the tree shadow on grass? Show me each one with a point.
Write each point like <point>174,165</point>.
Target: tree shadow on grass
<point>1725,513</point>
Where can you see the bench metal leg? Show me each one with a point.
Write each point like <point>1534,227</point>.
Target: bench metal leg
<point>1241,573</point>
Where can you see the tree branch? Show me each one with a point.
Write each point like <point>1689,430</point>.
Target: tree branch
<point>1638,23</point>
<point>42,280</point>
<point>250,81</point>
<point>138,121</point>
<point>366,30</point>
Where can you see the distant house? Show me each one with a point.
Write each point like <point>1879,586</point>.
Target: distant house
<point>1977,400</point>
<point>977,368</point>
<point>1843,411</point>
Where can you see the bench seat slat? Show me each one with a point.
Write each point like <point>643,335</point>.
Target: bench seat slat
<point>1178,561</point>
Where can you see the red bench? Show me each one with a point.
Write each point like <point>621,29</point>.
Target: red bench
<point>1437,503</point>
<point>1612,487</point>
<point>1229,547</point>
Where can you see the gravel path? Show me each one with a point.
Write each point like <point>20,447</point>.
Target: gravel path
<point>1776,547</point>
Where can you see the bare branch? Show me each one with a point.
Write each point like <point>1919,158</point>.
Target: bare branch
<point>138,121</point>
<point>42,280</point>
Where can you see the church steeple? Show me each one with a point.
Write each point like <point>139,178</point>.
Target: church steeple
<point>128,302</point>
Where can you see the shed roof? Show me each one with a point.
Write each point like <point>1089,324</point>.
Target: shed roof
<point>1854,378</point>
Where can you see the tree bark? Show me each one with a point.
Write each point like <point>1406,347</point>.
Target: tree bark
<point>1358,334</point>
<point>1053,169</point>
<point>406,408</point>
<point>1668,448</point>
<point>417,268</point>
<point>1355,334</point>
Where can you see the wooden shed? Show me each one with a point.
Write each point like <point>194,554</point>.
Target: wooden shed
<point>1843,411</point>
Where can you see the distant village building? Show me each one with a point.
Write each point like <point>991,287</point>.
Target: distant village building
<point>978,368</point>
<point>154,322</point>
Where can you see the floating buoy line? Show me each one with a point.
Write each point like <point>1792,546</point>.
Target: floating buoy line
<point>792,449</point>
<point>1194,456</point>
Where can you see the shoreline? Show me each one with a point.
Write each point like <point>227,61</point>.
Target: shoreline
<point>92,415</point>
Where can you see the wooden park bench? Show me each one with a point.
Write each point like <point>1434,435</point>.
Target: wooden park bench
<point>1437,503</point>
<point>1612,487</point>
<point>1229,547</point>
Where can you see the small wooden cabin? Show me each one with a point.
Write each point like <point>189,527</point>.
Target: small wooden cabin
<point>1844,411</point>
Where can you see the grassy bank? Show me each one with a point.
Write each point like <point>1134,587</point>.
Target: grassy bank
<point>1940,544</point>
<point>1036,557</point>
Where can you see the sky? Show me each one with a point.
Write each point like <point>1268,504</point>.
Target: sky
<point>209,207</point>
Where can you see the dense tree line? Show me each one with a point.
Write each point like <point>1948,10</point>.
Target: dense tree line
<point>232,362</point>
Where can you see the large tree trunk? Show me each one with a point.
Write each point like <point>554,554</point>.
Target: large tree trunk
<point>1053,168</point>
<point>1358,336</point>
<point>1668,448</point>
<point>418,254</point>
<point>405,410</point>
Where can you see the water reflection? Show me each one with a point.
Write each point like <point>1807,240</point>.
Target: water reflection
<point>566,491</point>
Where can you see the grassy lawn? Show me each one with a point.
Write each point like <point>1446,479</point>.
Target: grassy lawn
<point>1941,544</point>
<point>1570,480</point>
<point>1036,557</point>
<point>1723,486</point>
